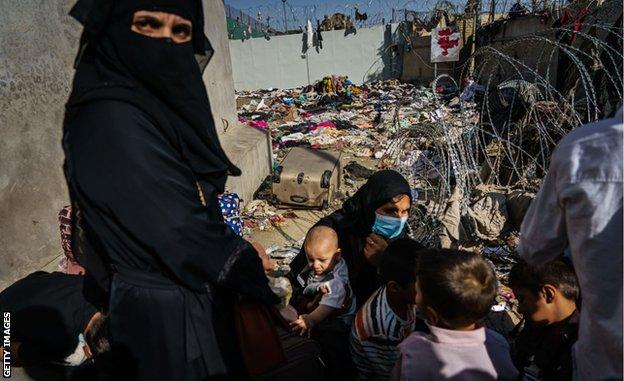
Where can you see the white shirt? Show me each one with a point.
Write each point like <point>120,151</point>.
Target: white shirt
<point>580,207</point>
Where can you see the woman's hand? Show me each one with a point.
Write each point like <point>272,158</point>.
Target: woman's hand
<point>303,324</point>
<point>267,263</point>
<point>375,245</point>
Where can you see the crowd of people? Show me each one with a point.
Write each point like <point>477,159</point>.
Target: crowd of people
<point>163,272</point>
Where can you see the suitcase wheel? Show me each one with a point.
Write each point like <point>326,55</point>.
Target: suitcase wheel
<point>277,173</point>
<point>325,179</point>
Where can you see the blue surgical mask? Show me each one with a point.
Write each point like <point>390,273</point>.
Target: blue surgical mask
<point>389,227</point>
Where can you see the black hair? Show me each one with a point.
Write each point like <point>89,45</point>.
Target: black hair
<point>398,261</point>
<point>558,273</point>
<point>458,285</point>
<point>97,336</point>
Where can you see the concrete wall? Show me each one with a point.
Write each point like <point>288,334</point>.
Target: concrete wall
<point>280,62</point>
<point>218,73</point>
<point>533,56</point>
<point>38,42</point>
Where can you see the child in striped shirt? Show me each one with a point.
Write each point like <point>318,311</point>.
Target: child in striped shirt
<point>389,315</point>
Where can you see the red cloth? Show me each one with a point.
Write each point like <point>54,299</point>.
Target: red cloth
<point>568,17</point>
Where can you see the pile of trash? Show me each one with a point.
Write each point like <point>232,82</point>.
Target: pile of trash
<point>332,114</point>
<point>258,214</point>
<point>335,114</point>
<point>419,131</point>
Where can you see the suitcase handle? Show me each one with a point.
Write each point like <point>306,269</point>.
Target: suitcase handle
<point>325,179</point>
<point>298,199</point>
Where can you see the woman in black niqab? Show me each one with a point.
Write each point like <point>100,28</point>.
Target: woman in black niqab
<point>354,225</point>
<point>144,166</point>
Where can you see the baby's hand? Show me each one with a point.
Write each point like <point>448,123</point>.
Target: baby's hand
<point>304,325</point>
<point>324,289</point>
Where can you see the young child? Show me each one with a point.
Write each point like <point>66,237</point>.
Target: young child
<point>547,297</point>
<point>389,315</point>
<point>454,291</point>
<point>326,303</point>
<point>325,282</point>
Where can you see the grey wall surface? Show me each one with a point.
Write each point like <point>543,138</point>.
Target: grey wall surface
<point>218,73</point>
<point>534,57</point>
<point>38,42</point>
<point>279,62</point>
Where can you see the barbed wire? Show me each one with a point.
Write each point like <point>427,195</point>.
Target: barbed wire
<point>525,108</point>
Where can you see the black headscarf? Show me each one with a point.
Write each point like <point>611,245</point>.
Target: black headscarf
<point>162,78</point>
<point>359,210</point>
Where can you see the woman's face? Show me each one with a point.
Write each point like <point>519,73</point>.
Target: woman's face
<point>162,25</point>
<point>398,207</point>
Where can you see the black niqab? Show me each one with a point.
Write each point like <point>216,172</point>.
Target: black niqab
<point>359,210</point>
<point>162,78</point>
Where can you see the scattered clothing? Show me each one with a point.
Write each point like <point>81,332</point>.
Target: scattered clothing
<point>579,207</point>
<point>356,171</point>
<point>375,335</point>
<point>444,354</point>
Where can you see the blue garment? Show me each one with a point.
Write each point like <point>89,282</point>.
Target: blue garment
<point>230,208</point>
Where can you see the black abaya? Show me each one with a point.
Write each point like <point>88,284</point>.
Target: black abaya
<point>139,197</point>
<point>139,140</point>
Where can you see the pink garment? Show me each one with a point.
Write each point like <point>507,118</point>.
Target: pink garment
<point>261,124</point>
<point>327,124</point>
<point>444,354</point>
<point>322,125</point>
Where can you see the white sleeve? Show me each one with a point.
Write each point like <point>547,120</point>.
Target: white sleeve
<point>543,232</point>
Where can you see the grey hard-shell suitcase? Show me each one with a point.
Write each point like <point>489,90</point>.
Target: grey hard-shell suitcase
<point>307,178</point>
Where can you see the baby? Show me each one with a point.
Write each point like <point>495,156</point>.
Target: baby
<point>325,282</point>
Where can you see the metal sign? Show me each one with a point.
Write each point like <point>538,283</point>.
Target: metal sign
<point>445,44</point>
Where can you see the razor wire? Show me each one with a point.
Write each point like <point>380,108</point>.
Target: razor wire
<point>525,108</point>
